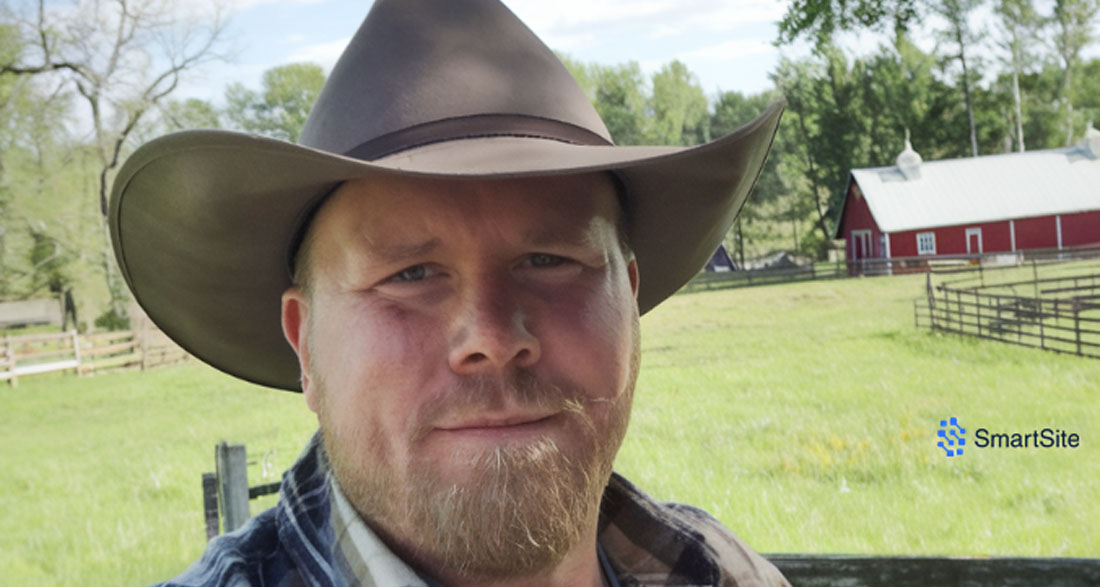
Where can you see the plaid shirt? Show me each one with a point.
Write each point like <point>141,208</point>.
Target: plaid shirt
<point>293,544</point>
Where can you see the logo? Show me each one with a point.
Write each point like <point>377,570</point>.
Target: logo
<point>951,435</point>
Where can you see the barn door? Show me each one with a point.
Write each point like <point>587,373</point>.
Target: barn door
<point>974,241</point>
<point>861,244</point>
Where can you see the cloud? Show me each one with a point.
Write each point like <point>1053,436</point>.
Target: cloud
<point>234,6</point>
<point>325,54</point>
<point>650,18</point>
<point>730,50</point>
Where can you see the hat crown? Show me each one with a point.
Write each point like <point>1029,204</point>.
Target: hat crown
<point>423,71</point>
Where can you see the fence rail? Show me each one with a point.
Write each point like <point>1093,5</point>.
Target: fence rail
<point>941,264</point>
<point>85,354</point>
<point>1060,314</point>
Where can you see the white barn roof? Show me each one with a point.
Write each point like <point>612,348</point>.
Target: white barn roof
<point>983,189</point>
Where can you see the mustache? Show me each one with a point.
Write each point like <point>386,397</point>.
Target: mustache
<point>477,394</point>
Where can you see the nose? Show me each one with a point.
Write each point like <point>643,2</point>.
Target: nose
<point>492,332</point>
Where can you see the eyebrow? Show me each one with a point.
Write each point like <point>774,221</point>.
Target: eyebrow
<point>400,252</point>
<point>583,237</point>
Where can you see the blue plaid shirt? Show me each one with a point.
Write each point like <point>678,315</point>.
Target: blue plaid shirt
<point>646,543</point>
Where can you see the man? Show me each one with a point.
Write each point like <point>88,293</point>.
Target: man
<point>458,257</point>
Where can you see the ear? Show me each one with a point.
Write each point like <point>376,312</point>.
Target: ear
<point>632,273</point>
<point>295,317</point>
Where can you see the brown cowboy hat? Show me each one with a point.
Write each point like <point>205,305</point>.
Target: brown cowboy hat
<point>205,222</point>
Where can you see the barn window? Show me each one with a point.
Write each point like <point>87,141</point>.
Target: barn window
<point>926,243</point>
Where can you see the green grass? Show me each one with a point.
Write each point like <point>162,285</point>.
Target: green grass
<point>803,416</point>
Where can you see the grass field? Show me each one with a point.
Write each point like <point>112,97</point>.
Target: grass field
<point>803,416</point>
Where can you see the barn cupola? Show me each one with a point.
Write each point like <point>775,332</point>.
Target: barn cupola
<point>909,161</point>
<point>1091,143</point>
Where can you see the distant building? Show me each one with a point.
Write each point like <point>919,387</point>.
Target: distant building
<point>1046,199</point>
<point>720,261</point>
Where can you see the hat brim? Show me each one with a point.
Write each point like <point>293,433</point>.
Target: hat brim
<point>203,221</point>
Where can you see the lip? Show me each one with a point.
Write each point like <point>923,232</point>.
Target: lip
<point>501,423</point>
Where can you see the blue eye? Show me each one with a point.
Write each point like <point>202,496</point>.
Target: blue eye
<point>545,260</point>
<point>414,273</point>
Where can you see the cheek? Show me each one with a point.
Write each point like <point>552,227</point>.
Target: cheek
<point>375,360</point>
<point>593,338</point>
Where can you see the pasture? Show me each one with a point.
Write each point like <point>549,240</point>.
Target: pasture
<point>803,416</point>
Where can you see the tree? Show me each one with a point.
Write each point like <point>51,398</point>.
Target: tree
<point>819,20</point>
<point>678,106</point>
<point>122,57</point>
<point>188,114</point>
<point>280,109</point>
<point>959,33</point>
<point>730,111</point>
<point>1018,25</point>
<point>620,100</point>
<point>1072,23</point>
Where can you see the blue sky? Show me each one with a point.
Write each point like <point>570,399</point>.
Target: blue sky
<point>727,44</point>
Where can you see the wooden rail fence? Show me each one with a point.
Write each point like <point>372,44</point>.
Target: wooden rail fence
<point>942,264</point>
<point>1059,314</point>
<point>84,354</point>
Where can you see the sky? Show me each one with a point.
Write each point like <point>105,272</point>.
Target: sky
<point>726,43</point>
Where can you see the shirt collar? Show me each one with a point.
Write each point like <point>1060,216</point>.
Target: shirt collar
<point>370,562</point>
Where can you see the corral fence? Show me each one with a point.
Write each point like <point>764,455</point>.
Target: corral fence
<point>708,280</point>
<point>1051,306</point>
<point>870,267</point>
<point>85,354</point>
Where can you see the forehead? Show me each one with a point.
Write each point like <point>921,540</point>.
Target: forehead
<point>389,210</point>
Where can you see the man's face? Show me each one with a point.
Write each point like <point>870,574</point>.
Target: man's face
<point>470,348</point>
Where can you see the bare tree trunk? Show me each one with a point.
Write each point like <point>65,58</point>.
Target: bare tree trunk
<point>1016,97</point>
<point>816,187</point>
<point>966,92</point>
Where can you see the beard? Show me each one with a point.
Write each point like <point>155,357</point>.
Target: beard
<point>515,511</point>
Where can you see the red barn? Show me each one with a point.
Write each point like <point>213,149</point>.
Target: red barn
<point>994,204</point>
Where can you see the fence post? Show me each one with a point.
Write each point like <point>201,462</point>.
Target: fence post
<point>931,295</point>
<point>10,348</point>
<point>1034,279</point>
<point>76,351</point>
<point>978,311</point>
<point>1042,317</point>
<point>1077,325</point>
<point>232,465</point>
<point>210,504</point>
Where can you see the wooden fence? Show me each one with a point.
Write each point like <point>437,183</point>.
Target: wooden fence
<point>751,277</point>
<point>1059,313</point>
<point>84,354</point>
<point>226,491</point>
<point>940,264</point>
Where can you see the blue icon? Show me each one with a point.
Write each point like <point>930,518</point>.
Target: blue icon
<point>952,436</point>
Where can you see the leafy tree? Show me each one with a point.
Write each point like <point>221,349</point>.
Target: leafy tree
<point>620,99</point>
<point>188,114</point>
<point>1019,24</point>
<point>1073,23</point>
<point>730,111</point>
<point>819,20</point>
<point>679,107</point>
<point>280,109</point>
<point>962,37</point>
<point>122,58</point>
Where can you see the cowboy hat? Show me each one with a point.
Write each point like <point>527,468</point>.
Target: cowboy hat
<point>204,222</point>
